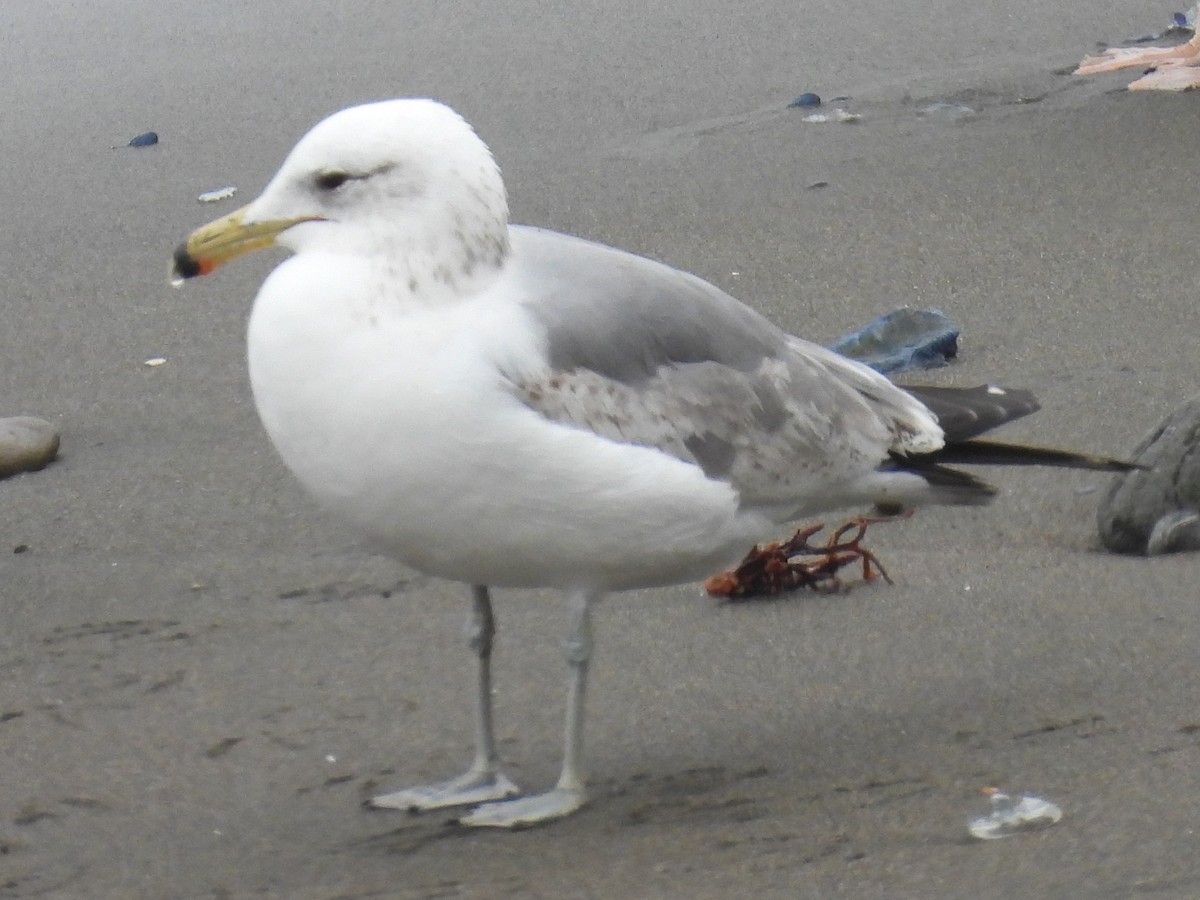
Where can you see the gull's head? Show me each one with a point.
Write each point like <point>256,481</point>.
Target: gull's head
<point>407,180</point>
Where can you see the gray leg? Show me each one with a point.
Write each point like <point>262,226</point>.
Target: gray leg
<point>577,648</point>
<point>569,794</point>
<point>483,781</point>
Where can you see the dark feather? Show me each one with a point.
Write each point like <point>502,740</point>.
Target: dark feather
<point>997,453</point>
<point>968,412</point>
<point>965,413</point>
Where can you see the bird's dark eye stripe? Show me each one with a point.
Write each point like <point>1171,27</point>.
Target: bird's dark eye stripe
<point>329,181</point>
<point>333,179</point>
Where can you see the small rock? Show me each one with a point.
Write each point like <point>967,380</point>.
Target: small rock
<point>1157,510</point>
<point>148,139</point>
<point>26,443</point>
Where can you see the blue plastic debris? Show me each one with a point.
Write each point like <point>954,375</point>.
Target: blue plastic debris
<point>144,140</point>
<point>904,340</point>
<point>1186,21</point>
<point>806,99</point>
<point>1181,24</point>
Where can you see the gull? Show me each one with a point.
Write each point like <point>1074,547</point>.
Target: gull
<point>506,406</point>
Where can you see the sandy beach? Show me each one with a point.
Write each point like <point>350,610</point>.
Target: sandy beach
<point>202,675</point>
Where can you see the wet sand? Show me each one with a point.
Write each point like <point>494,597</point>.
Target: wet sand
<point>203,675</point>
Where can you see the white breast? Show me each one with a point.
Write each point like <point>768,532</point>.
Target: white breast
<point>402,423</point>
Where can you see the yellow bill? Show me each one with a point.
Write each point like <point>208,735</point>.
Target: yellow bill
<point>227,238</point>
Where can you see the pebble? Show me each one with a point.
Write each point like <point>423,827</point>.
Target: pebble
<point>26,443</point>
<point>147,139</point>
<point>1157,510</point>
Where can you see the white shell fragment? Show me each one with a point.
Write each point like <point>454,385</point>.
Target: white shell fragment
<point>154,361</point>
<point>219,194</point>
<point>26,443</point>
<point>834,115</point>
<point>1009,817</point>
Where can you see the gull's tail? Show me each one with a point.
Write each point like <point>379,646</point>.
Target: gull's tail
<point>998,453</point>
<point>966,413</point>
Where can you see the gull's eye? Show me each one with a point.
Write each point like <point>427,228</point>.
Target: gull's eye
<point>331,181</point>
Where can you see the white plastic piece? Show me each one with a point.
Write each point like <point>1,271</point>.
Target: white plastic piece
<point>219,194</point>
<point>835,115</point>
<point>1009,817</point>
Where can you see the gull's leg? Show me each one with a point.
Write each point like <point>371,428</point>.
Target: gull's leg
<point>483,781</point>
<point>569,794</point>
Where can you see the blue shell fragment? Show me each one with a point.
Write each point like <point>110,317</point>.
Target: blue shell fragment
<point>904,340</point>
<point>144,140</point>
<point>806,99</point>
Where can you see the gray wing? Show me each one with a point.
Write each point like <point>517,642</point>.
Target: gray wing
<point>645,354</point>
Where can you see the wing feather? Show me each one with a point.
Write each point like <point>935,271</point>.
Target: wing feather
<point>644,354</point>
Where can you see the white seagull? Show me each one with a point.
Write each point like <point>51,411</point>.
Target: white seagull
<point>507,406</point>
